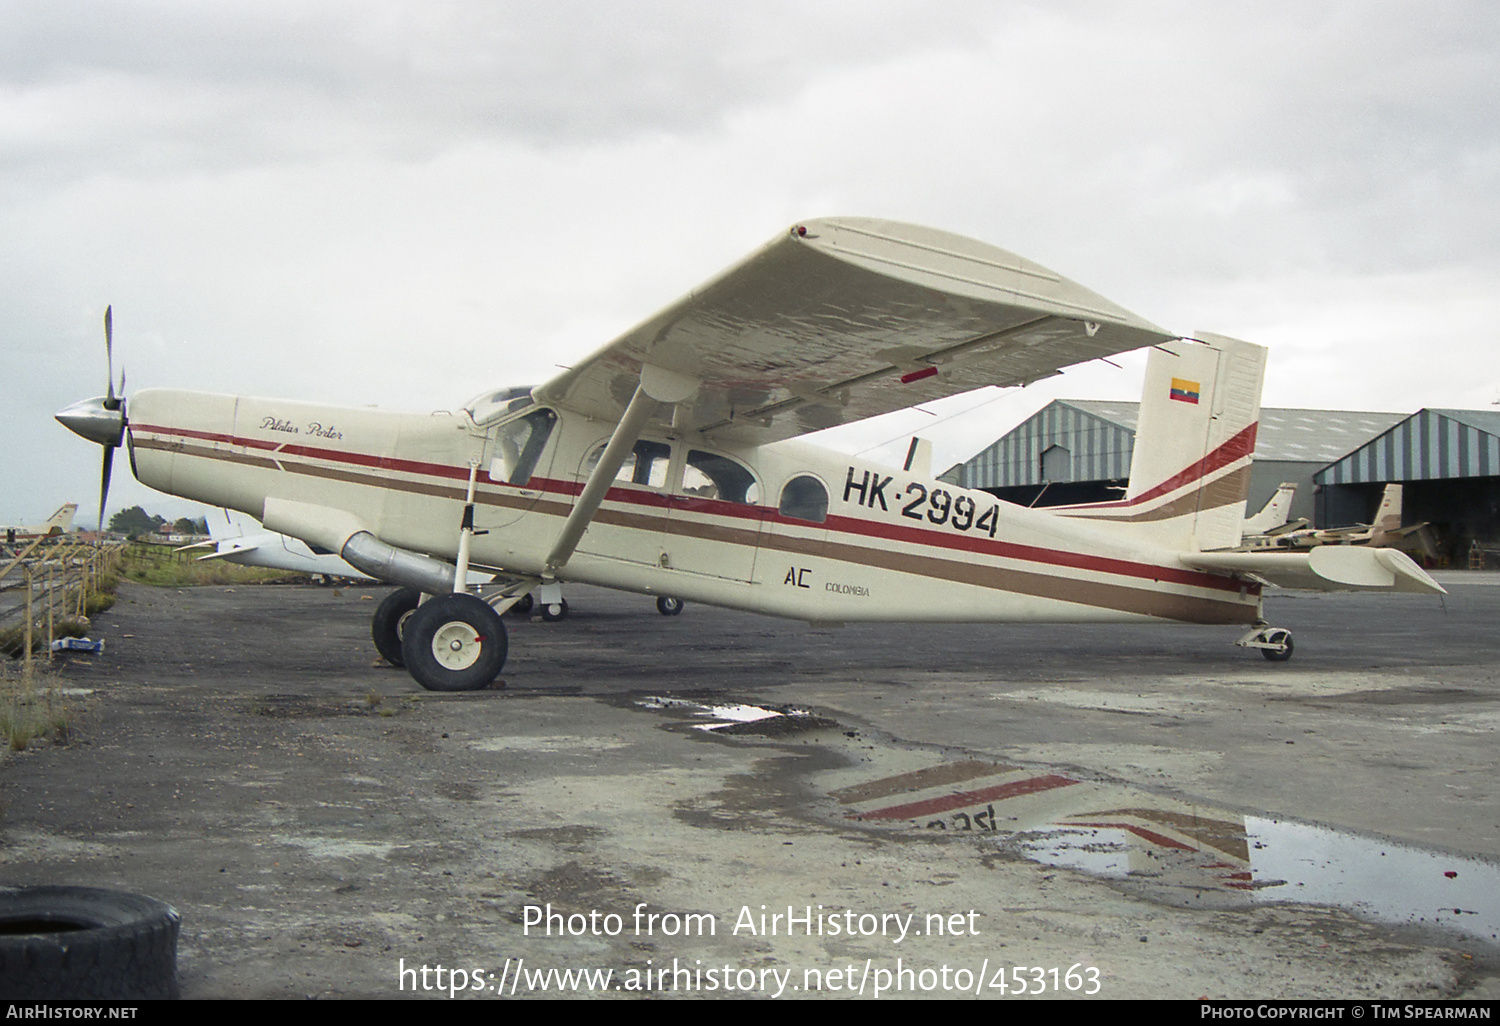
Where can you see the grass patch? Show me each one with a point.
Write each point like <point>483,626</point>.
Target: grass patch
<point>161,567</point>
<point>13,639</point>
<point>32,708</point>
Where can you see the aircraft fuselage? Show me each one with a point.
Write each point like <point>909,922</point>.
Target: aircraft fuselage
<point>786,529</point>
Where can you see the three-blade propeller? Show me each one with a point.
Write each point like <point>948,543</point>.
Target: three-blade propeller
<point>102,418</point>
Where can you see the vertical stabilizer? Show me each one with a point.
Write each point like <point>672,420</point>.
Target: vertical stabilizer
<point>1190,471</point>
<point>1275,513</point>
<point>1386,528</point>
<point>61,521</point>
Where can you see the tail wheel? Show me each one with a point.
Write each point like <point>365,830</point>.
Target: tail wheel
<point>454,643</point>
<point>668,606</point>
<point>1281,655</point>
<point>390,620</point>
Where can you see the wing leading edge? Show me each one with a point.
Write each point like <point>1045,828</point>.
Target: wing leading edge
<point>846,318</point>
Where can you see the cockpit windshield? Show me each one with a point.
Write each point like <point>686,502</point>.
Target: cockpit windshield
<point>488,407</point>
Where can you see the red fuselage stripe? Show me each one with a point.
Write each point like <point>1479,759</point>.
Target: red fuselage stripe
<point>1241,445</point>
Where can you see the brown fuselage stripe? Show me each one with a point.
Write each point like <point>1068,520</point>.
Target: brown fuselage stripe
<point>1223,835</point>
<point>1230,488</point>
<point>963,799</point>
<point>920,780</point>
<point>1121,598</point>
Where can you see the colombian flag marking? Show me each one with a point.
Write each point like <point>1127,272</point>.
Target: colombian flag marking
<point>1185,391</point>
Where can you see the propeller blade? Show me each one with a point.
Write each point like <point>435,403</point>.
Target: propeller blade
<point>109,463</point>
<point>109,357</point>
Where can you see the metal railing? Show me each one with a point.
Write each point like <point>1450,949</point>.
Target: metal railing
<point>48,586</point>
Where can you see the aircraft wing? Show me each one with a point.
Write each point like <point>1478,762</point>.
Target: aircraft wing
<point>846,318</point>
<point>1325,568</point>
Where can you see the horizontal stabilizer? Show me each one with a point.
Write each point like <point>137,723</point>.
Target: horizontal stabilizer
<point>1326,568</point>
<point>232,547</point>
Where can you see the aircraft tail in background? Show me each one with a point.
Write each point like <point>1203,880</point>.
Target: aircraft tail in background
<point>62,521</point>
<point>1275,513</point>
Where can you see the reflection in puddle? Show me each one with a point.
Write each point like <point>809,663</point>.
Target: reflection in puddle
<point>1182,853</point>
<point>721,715</point>
<point>1392,882</point>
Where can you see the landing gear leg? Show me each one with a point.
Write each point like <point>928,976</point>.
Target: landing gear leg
<point>1275,643</point>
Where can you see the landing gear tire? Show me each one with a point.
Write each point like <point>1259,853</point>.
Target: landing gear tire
<point>555,611</point>
<point>1279,655</point>
<point>390,620</point>
<point>85,943</point>
<point>668,606</point>
<point>522,607</point>
<point>454,643</point>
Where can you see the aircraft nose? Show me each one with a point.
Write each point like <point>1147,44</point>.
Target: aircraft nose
<point>94,420</point>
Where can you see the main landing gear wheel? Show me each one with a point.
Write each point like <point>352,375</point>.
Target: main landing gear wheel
<point>555,611</point>
<point>522,607</point>
<point>390,620</point>
<point>454,643</point>
<point>668,606</point>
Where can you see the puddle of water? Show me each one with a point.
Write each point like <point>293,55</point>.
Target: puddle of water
<point>723,715</point>
<point>1182,853</point>
<point>1392,882</point>
<point>548,744</point>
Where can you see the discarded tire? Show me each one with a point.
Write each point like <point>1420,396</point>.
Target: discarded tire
<point>86,942</point>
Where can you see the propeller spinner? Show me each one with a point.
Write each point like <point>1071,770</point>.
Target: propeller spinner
<point>102,418</point>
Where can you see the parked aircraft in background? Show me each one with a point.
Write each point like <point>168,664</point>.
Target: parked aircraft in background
<point>255,546</point>
<point>667,463</point>
<point>1274,515</point>
<point>60,522</point>
<point>1385,532</point>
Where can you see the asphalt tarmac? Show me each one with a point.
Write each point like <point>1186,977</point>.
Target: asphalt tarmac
<point>718,804</point>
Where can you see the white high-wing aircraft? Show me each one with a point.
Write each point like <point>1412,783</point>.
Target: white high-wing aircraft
<point>667,462</point>
<point>233,542</point>
<point>58,523</point>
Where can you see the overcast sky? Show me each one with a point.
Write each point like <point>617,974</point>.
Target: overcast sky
<point>402,203</point>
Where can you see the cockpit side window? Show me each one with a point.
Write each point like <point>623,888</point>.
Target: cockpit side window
<point>519,444</point>
<point>804,498</point>
<point>708,475</point>
<point>486,409</point>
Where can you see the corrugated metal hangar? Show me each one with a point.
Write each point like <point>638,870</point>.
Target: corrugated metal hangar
<point>1449,460</point>
<point>1449,463</point>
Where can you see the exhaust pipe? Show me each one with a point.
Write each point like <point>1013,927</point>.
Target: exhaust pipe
<point>369,555</point>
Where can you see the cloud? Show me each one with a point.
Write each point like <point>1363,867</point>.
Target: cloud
<point>404,203</point>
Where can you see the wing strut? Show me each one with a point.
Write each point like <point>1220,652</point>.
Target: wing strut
<point>657,385</point>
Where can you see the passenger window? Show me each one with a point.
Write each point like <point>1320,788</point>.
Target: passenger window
<point>707,475</point>
<point>646,465</point>
<point>518,446</point>
<point>804,498</point>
